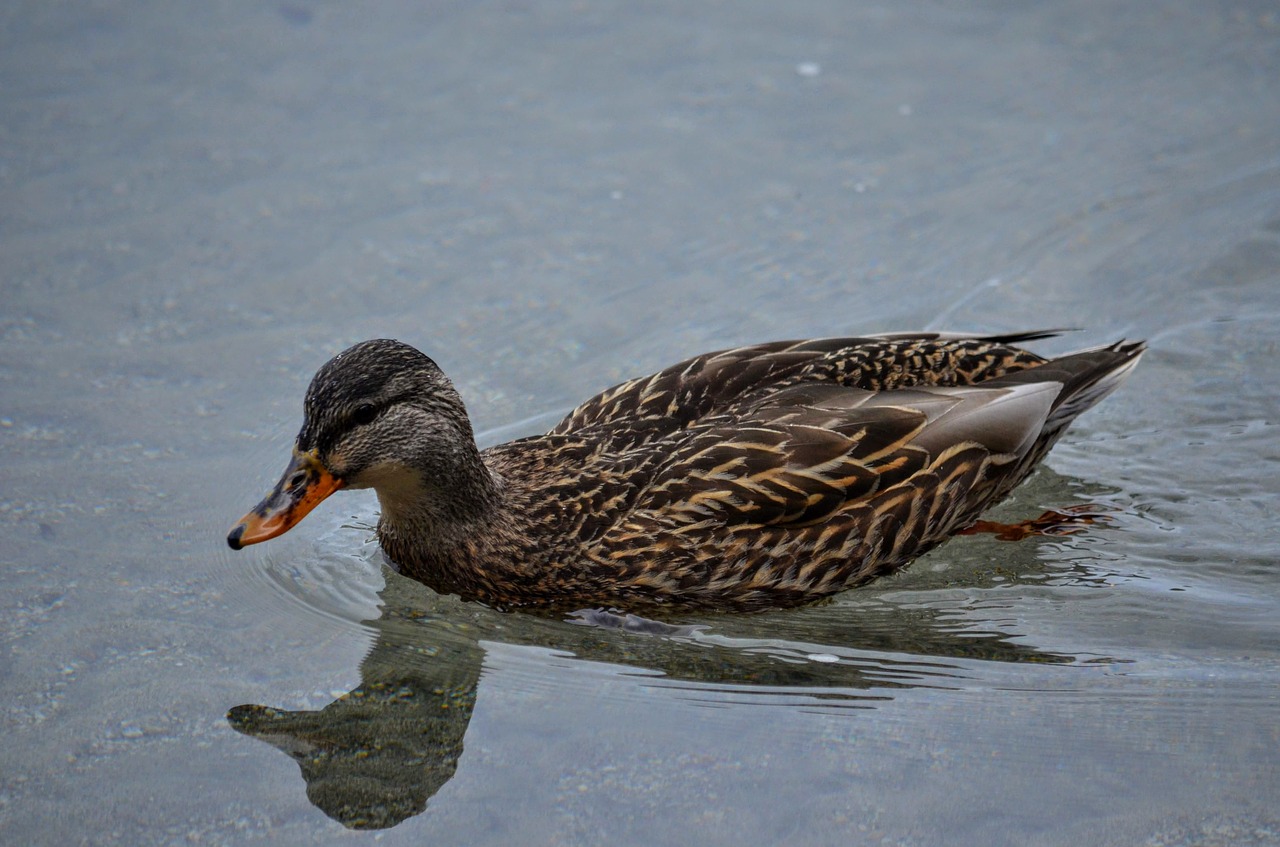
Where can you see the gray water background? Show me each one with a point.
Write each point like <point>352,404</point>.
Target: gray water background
<point>200,203</point>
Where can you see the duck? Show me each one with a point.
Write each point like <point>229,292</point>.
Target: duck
<point>740,480</point>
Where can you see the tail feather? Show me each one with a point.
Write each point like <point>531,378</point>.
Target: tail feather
<point>1086,377</point>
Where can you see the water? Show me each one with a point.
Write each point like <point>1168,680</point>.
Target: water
<point>201,203</point>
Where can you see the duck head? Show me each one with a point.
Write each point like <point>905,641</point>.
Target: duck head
<point>379,415</point>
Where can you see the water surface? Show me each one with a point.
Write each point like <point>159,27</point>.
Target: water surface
<point>199,204</point>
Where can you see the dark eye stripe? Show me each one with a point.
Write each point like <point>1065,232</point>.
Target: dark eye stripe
<point>364,413</point>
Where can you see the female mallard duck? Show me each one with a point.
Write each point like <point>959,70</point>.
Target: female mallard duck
<point>750,478</point>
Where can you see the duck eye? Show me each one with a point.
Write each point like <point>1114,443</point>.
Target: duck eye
<point>364,413</point>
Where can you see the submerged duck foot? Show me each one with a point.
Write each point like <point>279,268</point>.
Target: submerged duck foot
<point>632,623</point>
<point>1068,521</point>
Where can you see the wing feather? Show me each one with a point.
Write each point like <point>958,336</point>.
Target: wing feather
<point>807,453</point>
<point>715,383</point>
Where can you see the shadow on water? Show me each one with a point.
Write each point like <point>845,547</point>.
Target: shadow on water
<point>375,756</point>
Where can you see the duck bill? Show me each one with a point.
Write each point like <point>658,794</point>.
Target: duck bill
<point>304,484</point>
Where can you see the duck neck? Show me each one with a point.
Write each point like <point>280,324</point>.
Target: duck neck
<point>436,510</point>
<point>439,527</point>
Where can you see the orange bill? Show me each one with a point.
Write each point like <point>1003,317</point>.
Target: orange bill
<point>305,483</point>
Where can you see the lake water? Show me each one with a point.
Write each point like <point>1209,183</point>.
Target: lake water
<point>200,203</point>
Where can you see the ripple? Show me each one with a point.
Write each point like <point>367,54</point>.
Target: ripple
<point>328,572</point>
<point>532,425</point>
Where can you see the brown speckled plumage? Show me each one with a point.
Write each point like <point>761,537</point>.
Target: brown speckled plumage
<point>750,478</point>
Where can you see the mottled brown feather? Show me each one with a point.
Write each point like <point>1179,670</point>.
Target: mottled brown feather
<point>748,478</point>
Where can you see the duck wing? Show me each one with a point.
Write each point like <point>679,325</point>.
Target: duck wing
<point>808,452</point>
<point>675,398</point>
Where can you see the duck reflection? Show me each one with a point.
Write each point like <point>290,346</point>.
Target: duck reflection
<point>377,754</point>
<point>374,756</point>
